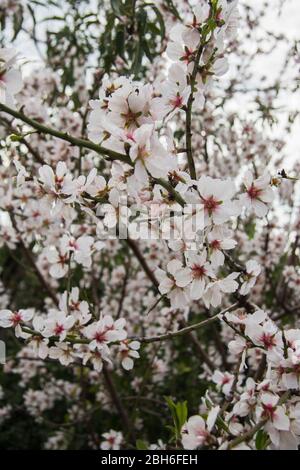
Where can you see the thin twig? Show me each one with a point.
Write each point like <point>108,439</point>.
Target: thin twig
<point>188,329</point>
<point>189,106</point>
<point>83,143</point>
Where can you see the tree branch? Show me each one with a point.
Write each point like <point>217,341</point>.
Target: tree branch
<point>188,122</point>
<point>111,155</point>
<point>186,330</point>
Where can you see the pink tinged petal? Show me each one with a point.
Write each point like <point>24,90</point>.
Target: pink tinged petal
<point>178,298</point>
<point>58,271</point>
<point>127,363</point>
<point>195,424</point>
<point>216,298</point>
<point>281,421</point>
<point>14,81</point>
<point>140,172</point>
<point>259,208</point>
<point>212,417</point>
<point>26,314</point>
<point>166,285</point>
<point>228,244</point>
<point>174,266</point>
<point>61,169</point>
<point>174,51</point>
<point>190,442</point>
<point>47,175</point>
<point>43,350</point>
<point>217,258</point>
<point>183,277</point>
<point>5,318</point>
<point>220,67</point>
<point>267,195</point>
<point>291,381</point>
<point>197,289</point>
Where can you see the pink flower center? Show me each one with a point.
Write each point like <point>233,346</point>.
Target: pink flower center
<point>198,271</point>
<point>202,433</point>
<point>75,305</point>
<point>62,259</point>
<point>58,329</point>
<point>187,56</point>
<point>176,102</point>
<point>268,340</point>
<point>211,204</point>
<point>16,318</point>
<point>225,380</point>
<point>100,336</point>
<point>269,411</point>
<point>215,245</point>
<point>143,153</point>
<point>130,117</point>
<point>73,244</point>
<point>59,181</point>
<point>129,136</point>
<point>253,192</point>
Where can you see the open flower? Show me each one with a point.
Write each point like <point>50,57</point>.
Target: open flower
<point>267,335</point>
<point>214,291</point>
<point>149,155</point>
<point>54,183</point>
<point>215,197</point>
<point>174,94</point>
<point>58,324</point>
<point>217,243</point>
<point>258,193</point>
<point>201,272</point>
<point>79,309</point>
<point>196,432</point>
<point>128,351</point>
<point>9,319</point>
<point>223,380</point>
<point>173,283</point>
<point>105,331</point>
<point>112,440</point>
<point>270,409</point>
<point>63,352</point>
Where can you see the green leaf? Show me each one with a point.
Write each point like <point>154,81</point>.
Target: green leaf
<point>116,6</point>
<point>15,137</point>
<point>172,8</point>
<point>261,440</point>
<point>179,413</point>
<point>141,445</point>
<point>182,412</point>
<point>250,228</point>
<point>160,20</point>
<point>120,41</point>
<point>17,23</point>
